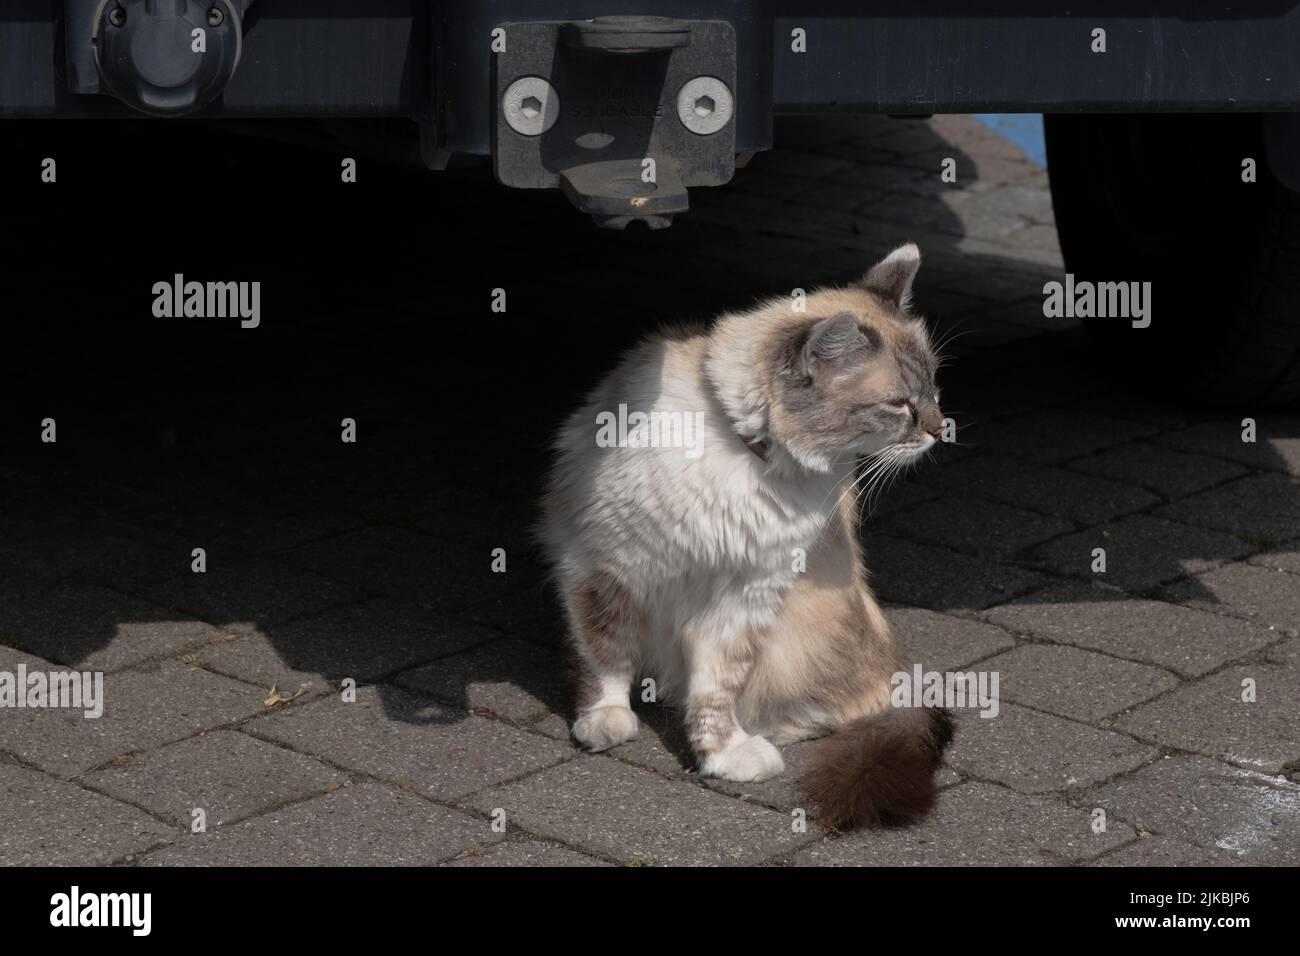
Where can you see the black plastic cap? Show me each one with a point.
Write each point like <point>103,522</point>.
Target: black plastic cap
<point>168,57</point>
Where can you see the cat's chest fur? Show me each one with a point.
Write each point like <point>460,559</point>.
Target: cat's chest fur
<point>696,529</point>
<point>724,550</point>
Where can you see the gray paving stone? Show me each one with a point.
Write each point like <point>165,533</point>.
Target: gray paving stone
<point>398,737</point>
<point>1075,683</point>
<point>1143,407</point>
<point>622,813</point>
<point>1210,717</point>
<point>531,613</point>
<point>1172,473</point>
<point>364,641</point>
<point>11,657</point>
<point>185,494</point>
<point>509,678</point>
<point>1164,851</point>
<point>981,222</point>
<point>35,510</point>
<point>264,536</point>
<point>947,776</point>
<point>983,143</point>
<point>407,565</point>
<point>364,824</point>
<point>252,593</point>
<point>942,642</point>
<point>1286,557</point>
<point>144,707</point>
<point>1276,446</point>
<point>49,822</point>
<point>1044,488</point>
<point>106,553</point>
<point>527,853</point>
<point>781,792</point>
<point>1019,201</point>
<point>1141,552</point>
<point>94,628</point>
<point>660,746</point>
<point>553,726</point>
<point>228,775</point>
<point>924,212</point>
<point>1055,435</point>
<point>1038,237</point>
<point>902,497</point>
<point>894,179</point>
<point>806,165</point>
<point>976,824</point>
<point>756,180</point>
<point>976,527</point>
<point>1186,641</point>
<point>1263,510</point>
<point>1288,652</point>
<point>421,484</point>
<point>476,530</point>
<point>936,578</point>
<point>1268,598</point>
<point>1253,817</point>
<point>20,580</point>
<point>1036,753</point>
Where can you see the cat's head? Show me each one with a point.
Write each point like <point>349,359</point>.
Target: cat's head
<point>854,375</point>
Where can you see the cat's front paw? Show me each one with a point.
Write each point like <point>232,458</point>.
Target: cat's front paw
<point>745,760</point>
<point>605,727</point>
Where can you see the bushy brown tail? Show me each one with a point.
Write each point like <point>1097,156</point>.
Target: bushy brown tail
<point>879,770</point>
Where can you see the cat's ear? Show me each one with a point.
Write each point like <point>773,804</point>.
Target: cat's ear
<point>834,341</point>
<point>892,276</point>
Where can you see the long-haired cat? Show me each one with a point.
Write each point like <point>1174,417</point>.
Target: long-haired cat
<point>701,518</point>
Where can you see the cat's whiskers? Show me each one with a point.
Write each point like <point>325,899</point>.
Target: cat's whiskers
<point>874,462</point>
<point>902,462</point>
<point>839,485</point>
<point>859,472</point>
<point>952,335</point>
<point>877,476</point>
<point>886,481</point>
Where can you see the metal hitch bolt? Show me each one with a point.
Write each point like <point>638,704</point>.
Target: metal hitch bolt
<point>216,17</point>
<point>117,17</point>
<point>704,105</point>
<point>531,105</point>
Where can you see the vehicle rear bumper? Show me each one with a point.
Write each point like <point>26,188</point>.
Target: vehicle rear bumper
<point>430,59</point>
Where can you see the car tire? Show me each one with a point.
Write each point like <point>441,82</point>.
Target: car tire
<point>1162,198</point>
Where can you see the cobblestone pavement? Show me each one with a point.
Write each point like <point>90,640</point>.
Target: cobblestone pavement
<point>1121,692</point>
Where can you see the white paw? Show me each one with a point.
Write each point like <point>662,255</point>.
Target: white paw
<point>744,760</point>
<point>605,727</point>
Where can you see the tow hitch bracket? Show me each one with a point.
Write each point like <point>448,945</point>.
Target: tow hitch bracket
<point>623,114</point>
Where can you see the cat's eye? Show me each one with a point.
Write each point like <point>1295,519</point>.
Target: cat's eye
<point>903,405</point>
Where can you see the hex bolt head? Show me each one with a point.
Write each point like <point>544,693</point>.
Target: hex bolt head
<point>530,106</point>
<point>704,105</point>
<point>117,17</point>
<point>216,17</point>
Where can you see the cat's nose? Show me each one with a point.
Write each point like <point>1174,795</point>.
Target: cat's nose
<point>932,421</point>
